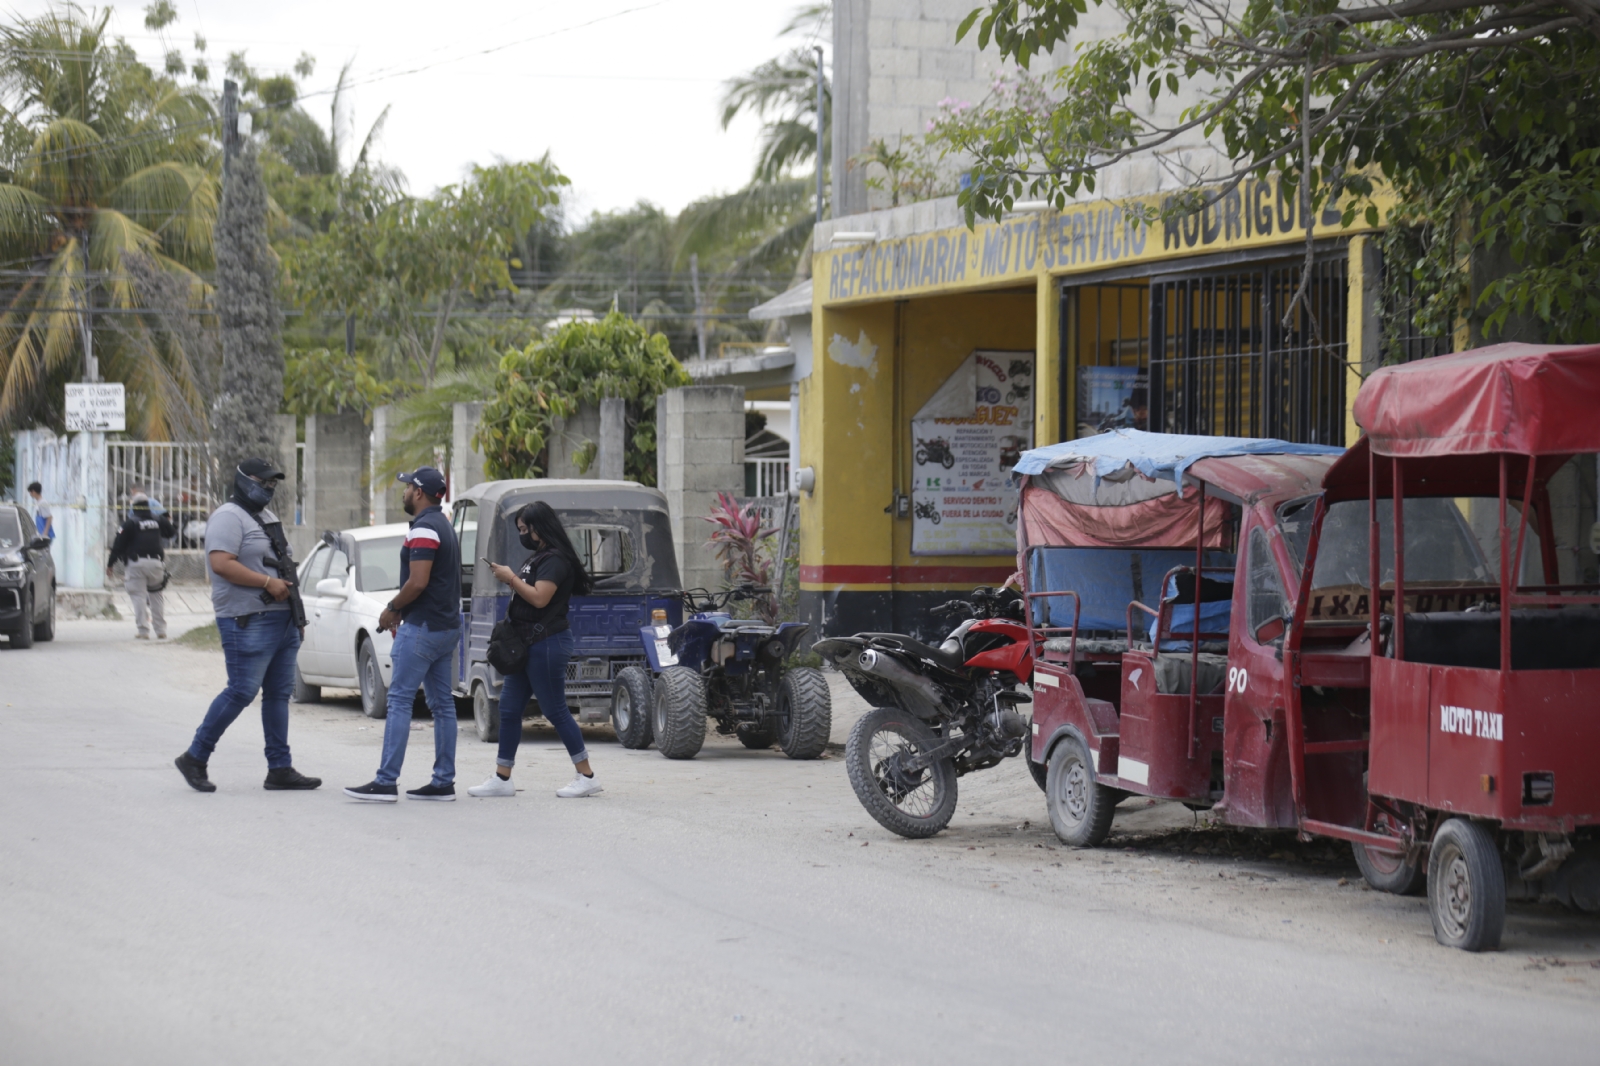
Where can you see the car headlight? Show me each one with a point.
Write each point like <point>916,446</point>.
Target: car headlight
<point>12,559</point>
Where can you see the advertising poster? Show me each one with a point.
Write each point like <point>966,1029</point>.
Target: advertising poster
<point>965,440</point>
<point>1112,397</point>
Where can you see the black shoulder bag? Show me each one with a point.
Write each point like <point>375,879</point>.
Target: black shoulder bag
<point>509,641</point>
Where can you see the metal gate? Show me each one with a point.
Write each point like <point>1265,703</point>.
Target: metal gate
<point>1223,363</point>
<point>177,477</point>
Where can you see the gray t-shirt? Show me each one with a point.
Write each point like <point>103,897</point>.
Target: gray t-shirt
<point>232,529</point>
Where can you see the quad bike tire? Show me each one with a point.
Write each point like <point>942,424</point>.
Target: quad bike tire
<point>630,707</point>
<point>1387,872</point>
<point>1466,887</point>
<point>871,776</point>
<point>805,713</point>
<point>1080,808</point>
<point>45,631</point>
<point>678,713</point>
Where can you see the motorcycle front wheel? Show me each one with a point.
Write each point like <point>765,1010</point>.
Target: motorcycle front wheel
<point>912,803</point>
<point>922,456</point>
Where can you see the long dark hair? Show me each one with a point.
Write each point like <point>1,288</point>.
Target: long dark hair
<point>541,519</point>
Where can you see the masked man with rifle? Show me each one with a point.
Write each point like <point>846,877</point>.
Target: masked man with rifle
<point>261,620</point>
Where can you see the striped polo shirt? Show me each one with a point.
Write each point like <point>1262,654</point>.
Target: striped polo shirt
<point>430,539</point>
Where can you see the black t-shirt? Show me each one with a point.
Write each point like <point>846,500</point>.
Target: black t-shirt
<point>544,566</point>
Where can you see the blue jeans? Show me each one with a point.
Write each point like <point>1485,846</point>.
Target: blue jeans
<point>545,679</point>
<point>422,659</point>
<point>260,658</point>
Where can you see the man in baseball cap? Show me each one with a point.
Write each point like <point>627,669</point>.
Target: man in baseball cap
<point>425,617</point>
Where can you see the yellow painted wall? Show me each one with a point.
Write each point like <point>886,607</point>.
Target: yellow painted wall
<point>846,437</point>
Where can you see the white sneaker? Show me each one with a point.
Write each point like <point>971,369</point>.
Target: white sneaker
<point>495,786</point>
<point>581,786</point>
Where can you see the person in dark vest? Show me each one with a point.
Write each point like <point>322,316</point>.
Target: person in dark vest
<point>259,638</point>
<point>141,549</point>
<point>542,590</point>
<point>425,617</point>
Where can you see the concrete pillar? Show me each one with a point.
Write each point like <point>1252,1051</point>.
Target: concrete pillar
<point>385,500</point>
<point>284,501</point>
<point>852,72</point>
<point>466,461</point>
<point>699,452</point>
<point>613,439</point>
<point>568,437</point>
<point>336,469</point>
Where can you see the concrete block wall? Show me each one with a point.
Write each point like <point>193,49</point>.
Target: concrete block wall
<point>385,489</point>
<point>337,461</point>
<point>895,61</point>
<point>466,461</point>
<point>699,452</point>
<point>567,436</point>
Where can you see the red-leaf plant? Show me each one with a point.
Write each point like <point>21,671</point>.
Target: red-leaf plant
<point>742,546</point>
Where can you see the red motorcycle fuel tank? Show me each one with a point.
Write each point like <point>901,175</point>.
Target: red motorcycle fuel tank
<point>1015,657</point>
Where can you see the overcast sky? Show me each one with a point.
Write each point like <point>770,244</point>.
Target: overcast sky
<point>622,93</point>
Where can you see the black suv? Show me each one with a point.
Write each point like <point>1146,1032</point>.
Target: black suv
<point>27,580</point>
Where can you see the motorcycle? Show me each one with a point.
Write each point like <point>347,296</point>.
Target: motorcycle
<point>936,450</point>
<point>939,713</point>
<point>929,510</point>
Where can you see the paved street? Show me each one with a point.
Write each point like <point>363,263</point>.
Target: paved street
<point>739,908</point>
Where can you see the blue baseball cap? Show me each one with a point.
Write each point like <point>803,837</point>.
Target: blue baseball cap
<point>425,478</point>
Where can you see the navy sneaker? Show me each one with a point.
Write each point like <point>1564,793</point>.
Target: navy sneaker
<point>431,791</point>
<point>372,792</point>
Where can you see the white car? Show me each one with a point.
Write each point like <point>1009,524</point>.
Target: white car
<point>345,583</point>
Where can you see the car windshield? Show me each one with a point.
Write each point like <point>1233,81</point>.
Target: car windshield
<point>378,564</point>
<point>10,529</point>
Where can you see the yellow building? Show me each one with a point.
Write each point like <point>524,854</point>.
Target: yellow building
<point>936,352</point>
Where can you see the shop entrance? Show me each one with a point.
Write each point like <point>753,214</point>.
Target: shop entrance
<point>1207,352</point>
<point>1223,361</point>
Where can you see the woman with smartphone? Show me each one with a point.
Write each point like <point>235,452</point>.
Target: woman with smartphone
<point>543,588</point>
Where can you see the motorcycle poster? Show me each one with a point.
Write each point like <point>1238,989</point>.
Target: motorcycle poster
<point>964,442</point>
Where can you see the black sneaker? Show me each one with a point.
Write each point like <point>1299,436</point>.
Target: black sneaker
<point>194,772</point>
<point>372,792</point>
<point>287,777</point>
<point>431,791</point>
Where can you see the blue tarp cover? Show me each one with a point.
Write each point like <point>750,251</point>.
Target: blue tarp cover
<point>1156,455</point>
<point>1108,579</point>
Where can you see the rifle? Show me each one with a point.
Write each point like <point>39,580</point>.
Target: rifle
<point>282,560</point>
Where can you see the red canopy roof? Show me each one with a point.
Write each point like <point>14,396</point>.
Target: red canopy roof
<point>1526,399</point>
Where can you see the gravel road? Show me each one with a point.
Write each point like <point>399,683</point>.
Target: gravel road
<point>737,908</point>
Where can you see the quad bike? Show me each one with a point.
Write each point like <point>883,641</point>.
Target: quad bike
<point>728,669</point>
<point>937,451</point>
<point>939,712</point>
<point>929,510</point>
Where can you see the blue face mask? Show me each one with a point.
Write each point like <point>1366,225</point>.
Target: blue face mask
<point>253,495</point>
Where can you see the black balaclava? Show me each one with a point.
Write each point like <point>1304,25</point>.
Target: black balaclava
<point>249,493</point>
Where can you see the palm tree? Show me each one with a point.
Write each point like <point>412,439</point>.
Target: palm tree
<point>101,159</point>
<point>783,93</point>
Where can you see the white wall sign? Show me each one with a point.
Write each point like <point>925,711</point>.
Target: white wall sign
<point>99,408</point>
<point>965,440</point>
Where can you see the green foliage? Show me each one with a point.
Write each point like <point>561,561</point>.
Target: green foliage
<point>909,171</point>
<point>424,422</point>
<point>320,381</point>
<point>101,158</point>
<point>1476,116</point>
<point>783,92</point>
<point>579,364</point>
<point>405,266</point>
<point>745,549</point>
